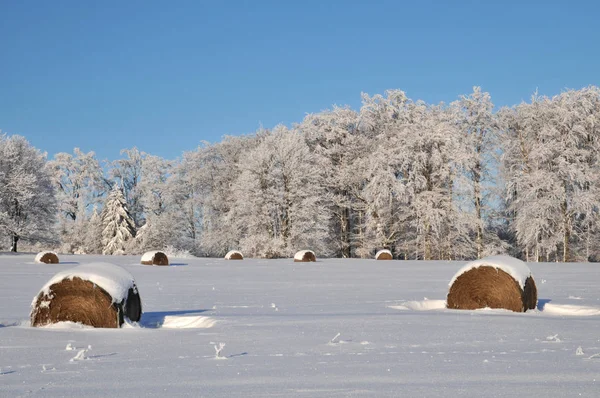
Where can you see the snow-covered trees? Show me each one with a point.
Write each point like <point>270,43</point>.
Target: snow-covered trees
<point>279,198</point>
<point>552,168</point>
<point>424,181</point>
<point>79,182</point>
<point>118,228</point>
<point>27,202</point>
<point>80,185</point>
<point>478,127</point>
<point>334,139</point>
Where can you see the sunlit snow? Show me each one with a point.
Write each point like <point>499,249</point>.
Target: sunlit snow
<point>275,328</point>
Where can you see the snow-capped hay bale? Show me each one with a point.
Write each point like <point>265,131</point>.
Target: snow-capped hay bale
<point>155,258</point>
<point>384,255</point>
<point>46,258</point>
<point>101,295</point>
<point>234,255</point>
<point>493,282</point>
<point>305,256</point>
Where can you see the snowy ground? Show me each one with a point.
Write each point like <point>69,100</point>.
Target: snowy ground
<point>334,328</point>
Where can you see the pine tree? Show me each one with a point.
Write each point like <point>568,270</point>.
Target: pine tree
<point>118,226</point>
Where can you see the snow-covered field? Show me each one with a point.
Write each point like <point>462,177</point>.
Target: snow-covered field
<point>334,328</point>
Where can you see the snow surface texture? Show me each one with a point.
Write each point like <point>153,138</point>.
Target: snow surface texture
<point>512,266</point>
<point>300,255</point>
<point>112,278</point>
<point>38,257</point>
<point>231,253</point>
<point>327,329</point>
<point>380,252</point>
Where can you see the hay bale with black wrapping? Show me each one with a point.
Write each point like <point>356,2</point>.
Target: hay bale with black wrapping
<point>305,256</point>
<point>155,258</point>
<point>46,258</point>
<point>234,255</point>
<point>384,255</point>
<point>101,295</point>
<point>493,282</point>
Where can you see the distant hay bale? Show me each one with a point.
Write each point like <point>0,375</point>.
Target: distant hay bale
<point>46,258</point>
<point>493,282</point>
<point>101,295</point>
<point>155,258</point>
<point>384,255</point>
<point>305,256</point>
<point>234,255</point>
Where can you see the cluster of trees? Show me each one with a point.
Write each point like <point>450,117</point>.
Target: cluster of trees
<point>427,181</point>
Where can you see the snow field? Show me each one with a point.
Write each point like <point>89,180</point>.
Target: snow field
<point>331,329</point>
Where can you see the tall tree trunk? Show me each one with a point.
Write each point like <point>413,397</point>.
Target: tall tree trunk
<point>427,241</point>
<point>567,233</point>
<point>477,194</point>
<point>15,239</point>
<point>345,233</point>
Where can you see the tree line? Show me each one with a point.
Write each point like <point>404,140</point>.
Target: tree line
<point>427,181</point>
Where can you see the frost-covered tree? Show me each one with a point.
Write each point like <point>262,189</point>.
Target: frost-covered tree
<point>478,126</point>
<point>551,166</point>
<point>27,202</point>
<point>410,190</point>
<point>381,205</point>
<point>92,237</point>
<point>334,138</point>
<point>153,188</point>
<point>118,228</point>
<point>203,184</point>
<point>79,183</point>
<point>279,198</point>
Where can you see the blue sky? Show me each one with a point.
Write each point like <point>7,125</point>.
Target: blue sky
<point>163,76</point>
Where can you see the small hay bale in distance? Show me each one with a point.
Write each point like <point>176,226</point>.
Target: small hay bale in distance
<point>305,256</point>
<point>101,295</point>
<point>46,258</point>
<point>384,254</point>
<point>155,258</point>
<point>234,255</point>
<point>493,282</point>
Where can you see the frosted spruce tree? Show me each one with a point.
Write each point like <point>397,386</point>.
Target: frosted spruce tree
<point>118,226</point>
<point>128,172</point>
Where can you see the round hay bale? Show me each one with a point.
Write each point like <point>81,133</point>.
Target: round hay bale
<point>494,282</point>
<point>305,256</point>
<point>384,255</point>
<point>46,258</point>
<point>234,255</point>
<point>155,258</point>
<point>101,295</point>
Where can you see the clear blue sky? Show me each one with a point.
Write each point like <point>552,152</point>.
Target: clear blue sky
<point>163,76</point>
